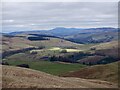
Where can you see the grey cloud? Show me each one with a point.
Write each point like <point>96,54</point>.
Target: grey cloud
<point>46,15</point>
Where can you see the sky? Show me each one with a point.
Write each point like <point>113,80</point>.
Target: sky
<point>21,16</point>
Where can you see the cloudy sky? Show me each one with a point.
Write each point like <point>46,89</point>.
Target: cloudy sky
<point>20,16</point>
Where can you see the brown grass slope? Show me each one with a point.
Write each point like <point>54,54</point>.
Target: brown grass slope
<point>108,49</point>
<point>108,72</point>
<point>16,43</point>
<point>106,45</point>
<point>16,77</point>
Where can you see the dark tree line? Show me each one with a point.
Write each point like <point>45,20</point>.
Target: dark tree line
<point>37,38</point>
<point>8,53</point>
<point>72,58</point>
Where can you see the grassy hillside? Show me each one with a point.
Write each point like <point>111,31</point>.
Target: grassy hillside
<point>108,49</point>
<point>108,72</point>
<point>13,43</point>
<point>108,45</point>
<point>16,77</point>
<point>19,42</point>
<point>91,59</point>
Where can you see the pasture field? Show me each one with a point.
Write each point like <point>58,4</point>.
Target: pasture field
<point>68,50</point>
<point>54,68</point>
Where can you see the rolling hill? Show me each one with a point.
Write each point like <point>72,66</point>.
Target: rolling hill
<point>107,45</point>
<point>108,72</point>
<point>110,49</point>
<point>20,42</point>
<point>103,53</point>
<point>16,77</point>
<point>97,36</point>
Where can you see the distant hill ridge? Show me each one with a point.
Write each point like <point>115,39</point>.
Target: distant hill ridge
<point>62,30</point>
<point>77,35</point>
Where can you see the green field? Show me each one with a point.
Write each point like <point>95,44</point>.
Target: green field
<point>54,68</point>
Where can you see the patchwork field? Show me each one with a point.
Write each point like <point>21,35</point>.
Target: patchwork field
<point>60,57</point>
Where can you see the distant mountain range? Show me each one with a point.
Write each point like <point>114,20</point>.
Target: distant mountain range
<point>78,35</point>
